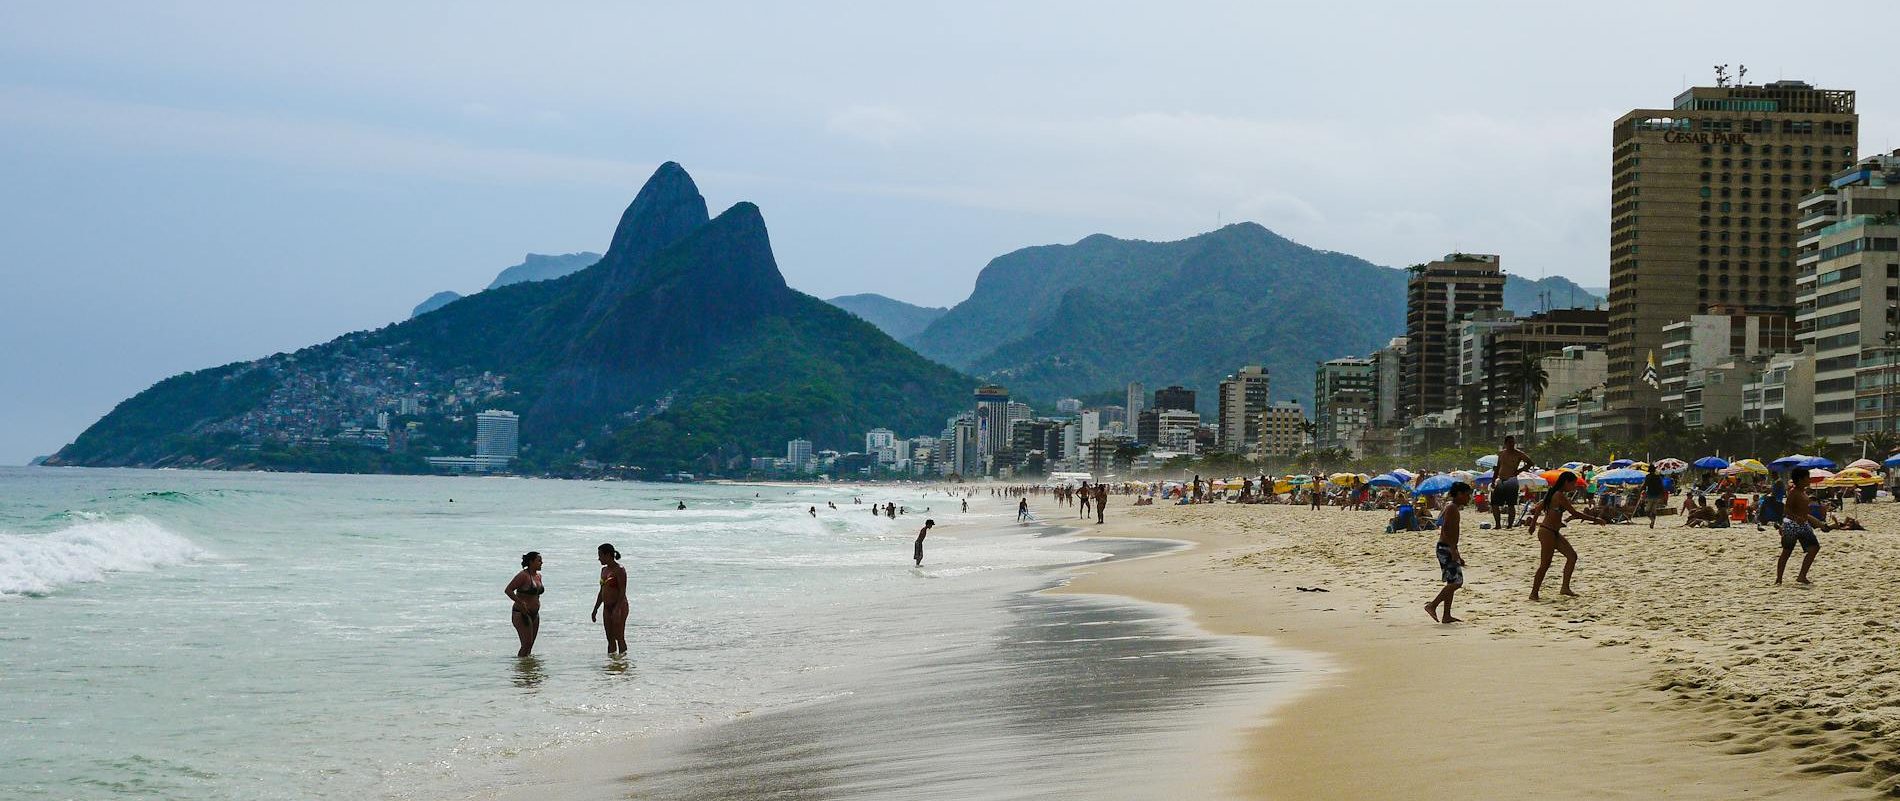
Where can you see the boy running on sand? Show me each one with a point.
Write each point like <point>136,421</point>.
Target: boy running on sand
<point>1451,566</point>
<point>1797,526</point>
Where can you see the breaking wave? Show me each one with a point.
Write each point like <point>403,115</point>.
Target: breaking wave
<point>89,550</point>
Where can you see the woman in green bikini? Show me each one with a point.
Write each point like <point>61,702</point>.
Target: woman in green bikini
<point>525,590</point>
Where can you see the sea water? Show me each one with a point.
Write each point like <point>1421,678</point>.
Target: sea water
<point>197,635</point>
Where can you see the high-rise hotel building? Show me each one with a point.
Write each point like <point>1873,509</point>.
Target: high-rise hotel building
<point>1703,213</point>
<point>1849,293</point>
<point>1438,296</point>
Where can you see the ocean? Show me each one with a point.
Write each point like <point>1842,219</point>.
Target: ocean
<point>204,635</point>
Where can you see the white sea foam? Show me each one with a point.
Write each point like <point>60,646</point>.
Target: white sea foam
<point>36,564</point>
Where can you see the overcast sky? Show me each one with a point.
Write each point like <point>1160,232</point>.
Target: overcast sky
<point>183,185</point>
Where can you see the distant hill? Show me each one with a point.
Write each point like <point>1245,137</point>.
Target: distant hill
<point>435,301</point>
<point>541,267</point>
<point>899,319</point>
<point>535,267</point>
<point>1525,297</point>
<point>1078,320</point>
<point>681,348</point>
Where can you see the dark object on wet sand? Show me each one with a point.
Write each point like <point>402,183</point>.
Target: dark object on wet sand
<point>1312,589</point>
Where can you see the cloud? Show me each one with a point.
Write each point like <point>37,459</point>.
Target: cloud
<point>303,141</point>
<point>878,125</point>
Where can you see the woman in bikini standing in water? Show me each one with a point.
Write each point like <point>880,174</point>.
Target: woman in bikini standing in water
<point>1550,523</point>
<point>525,590</point>
<point>613,596</point>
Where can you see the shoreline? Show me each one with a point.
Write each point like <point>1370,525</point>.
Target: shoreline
<point>1523,700</point>
<point>1185,703</point>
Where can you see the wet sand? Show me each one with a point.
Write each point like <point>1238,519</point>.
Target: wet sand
<point>1680,672</point>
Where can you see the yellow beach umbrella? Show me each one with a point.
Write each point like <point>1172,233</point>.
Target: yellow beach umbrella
<point>1752,466</point>
<point>1343,479</point>
<point>1852,477</point>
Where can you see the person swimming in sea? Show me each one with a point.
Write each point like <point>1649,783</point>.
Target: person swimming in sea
<point>525,591</point>
<point>682,506</point>
<point>917,551</point>
<point>814,511</point>
<point>613,598</point>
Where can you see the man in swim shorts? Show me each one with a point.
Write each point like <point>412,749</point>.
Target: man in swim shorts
<point>1797,528</point>
<point>1451,566</point>
<point>1511,461</point>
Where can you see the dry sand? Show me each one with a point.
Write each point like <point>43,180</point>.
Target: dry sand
<point>1682,671</point>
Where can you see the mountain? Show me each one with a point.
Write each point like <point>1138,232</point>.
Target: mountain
<point>1525,297</point>
<point>535,267</point>
<point>681,348</point>
<point>899,319</point>
<point>541,267</point>
<point>1079,320</point>
<point>435,301</point>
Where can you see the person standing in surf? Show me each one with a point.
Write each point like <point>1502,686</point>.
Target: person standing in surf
<point>917,550</point>
<point>1022,510</point>
<point>1101,502</point>
<point>525,591</point>
<point>613,598</point>
<point>1511,461</point>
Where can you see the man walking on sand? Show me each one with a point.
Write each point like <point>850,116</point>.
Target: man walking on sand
<point>1451,566</point>
<point>1511,461</point>
<point>1797,527</point>
<point>1654,496</point>
<point>1101,502</point>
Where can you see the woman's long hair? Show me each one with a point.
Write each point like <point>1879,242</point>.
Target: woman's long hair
<point>1563,482</point>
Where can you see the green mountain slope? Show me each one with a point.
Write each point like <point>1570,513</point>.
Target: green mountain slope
<point>895,317</point>
<point>1078,320</point>
<point>682,348</point>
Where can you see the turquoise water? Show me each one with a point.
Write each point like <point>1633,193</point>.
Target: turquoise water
<point>253,636</point>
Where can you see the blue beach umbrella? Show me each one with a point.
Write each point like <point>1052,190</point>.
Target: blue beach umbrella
<point>1892,461</point>
<point>1436,485</point>
<point>1386,481</point>
<point>1712,463</point>
<point>1488,461</point>
<point>1620,463</point>
<point>1787,463</point>
<point>1624,476</point>
<point>1485,477</point>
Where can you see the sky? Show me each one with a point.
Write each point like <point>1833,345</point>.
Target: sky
<point>185,185</point>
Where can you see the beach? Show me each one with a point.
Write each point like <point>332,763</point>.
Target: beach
<point>1680,671</point>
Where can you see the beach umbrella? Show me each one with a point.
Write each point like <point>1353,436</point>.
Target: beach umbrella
<point>1404,474</point>
<point>1575,465</point>
<point>1620,464</point>
<point>1343,479</point>
<point>1852,477</point>
<point>1786,463</point>
<point>1482,478</point>
<point>1893,461</point>
<point>1550,476</point>
<point>1711,463</point>
<point>1863,464</point>
<point>1621,476</point>
<point>1640,466</point>
<point>1463,475</point>
<point>1818,475</point>
<point>1436,485</point>
<point>1750,466</point>
<point>1387,481</point>
<point>1670,467</point>
<point>1531,481</point>
<point>1488,461</point>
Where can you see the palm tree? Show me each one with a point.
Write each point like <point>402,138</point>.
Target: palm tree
<point>1534,380</point>
<point>1878,444</point>
<point>1777,436</point>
